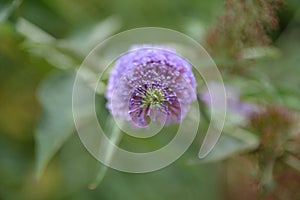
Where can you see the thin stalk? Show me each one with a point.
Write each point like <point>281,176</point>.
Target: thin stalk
<point>115,138</point>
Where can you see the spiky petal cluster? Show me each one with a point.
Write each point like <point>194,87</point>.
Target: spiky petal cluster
<point>151,82</point>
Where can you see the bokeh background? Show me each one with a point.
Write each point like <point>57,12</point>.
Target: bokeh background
<point>42,42</point>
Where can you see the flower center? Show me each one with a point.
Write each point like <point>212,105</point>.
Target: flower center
<point>150,100</point>
<point>153,97</point>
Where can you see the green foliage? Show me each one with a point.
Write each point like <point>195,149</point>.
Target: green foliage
<point>8,9</point>
<point>42,43</point>
<point>56,124</point>
<point>231,144</point>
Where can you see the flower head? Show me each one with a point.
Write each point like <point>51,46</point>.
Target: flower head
<point>151,82</point>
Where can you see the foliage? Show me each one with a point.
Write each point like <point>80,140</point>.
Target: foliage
<point>42,43</point>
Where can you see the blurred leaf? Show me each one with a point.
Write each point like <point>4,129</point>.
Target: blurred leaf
<point>173,182</point>
<point>32,32</point>
<point>290,99</point>
<point>65,53</point>
<point>53,55</point>
<point>6,10</point>
<point>84,41</point>
<point>292,146</point>
<point>283,72</point>
<point>188,182</point>
<point>56,124</point>
<point>292,161</point>
<point>260,52</point>
<point>44,45</point>
<point>231,144</point>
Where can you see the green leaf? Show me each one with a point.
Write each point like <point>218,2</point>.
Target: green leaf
<point>231,144</point>
<point>65,53</point>
<point>283,72</point>
<point>56,124</point>
<point>7,10</point>
<point>53,55</point>
<point>33,32</point>
<point>292,161</point>
<point>41,44</point>
<point>84,41</point>
<point>260,52</point>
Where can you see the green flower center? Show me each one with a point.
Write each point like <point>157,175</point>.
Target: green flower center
<point>154,97</point>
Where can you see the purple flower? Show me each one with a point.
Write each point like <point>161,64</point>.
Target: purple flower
<point>234,103</point>
<point>151,82</point>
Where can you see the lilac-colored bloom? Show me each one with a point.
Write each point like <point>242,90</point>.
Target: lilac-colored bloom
<point>234,103</point>
<point>151,82</point>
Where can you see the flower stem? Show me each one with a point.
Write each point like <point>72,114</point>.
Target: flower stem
<point>115,138</point>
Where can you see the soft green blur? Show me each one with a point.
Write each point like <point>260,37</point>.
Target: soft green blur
<point>42,37</point>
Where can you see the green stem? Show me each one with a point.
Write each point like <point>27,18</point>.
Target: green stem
<point>267,177</point>
<point>203,110</point>
<point>115,138</point>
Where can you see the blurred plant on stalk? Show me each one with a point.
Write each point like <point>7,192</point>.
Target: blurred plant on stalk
<point>241,35</point>
<point>244,25</point>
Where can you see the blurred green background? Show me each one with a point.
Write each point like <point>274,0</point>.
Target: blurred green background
<point>42,37</point>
